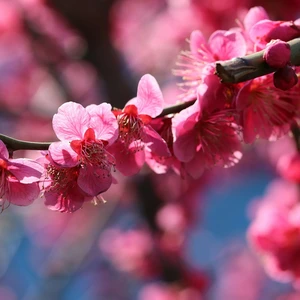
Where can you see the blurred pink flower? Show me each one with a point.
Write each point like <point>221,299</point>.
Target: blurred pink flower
<point>275,232</point>
<point>18,179</point>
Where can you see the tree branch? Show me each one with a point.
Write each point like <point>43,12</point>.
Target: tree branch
<point>244,68</point>
<point>14,144</point>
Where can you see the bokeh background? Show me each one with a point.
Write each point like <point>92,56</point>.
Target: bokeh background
<point>157,237</point>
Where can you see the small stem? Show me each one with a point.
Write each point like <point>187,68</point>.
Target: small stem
<point>244,68</point>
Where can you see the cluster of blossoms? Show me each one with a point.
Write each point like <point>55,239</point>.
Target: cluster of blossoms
<point>95,140</point>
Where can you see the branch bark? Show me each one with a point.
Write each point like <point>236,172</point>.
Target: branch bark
<point>244,68</point>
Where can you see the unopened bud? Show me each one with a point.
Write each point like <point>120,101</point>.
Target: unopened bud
<point>277,54</point>
<point>285,78</point>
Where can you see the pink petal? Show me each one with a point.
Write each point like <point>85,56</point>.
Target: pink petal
<point>183,124</point>
<point>58,202</point>
<point>94,180</point>
<point>71,121</point>
<point>149,97</point>
<point>250,126</point>
<point>254,15</point>
<point>196,166</point>
<point>3,150</point>
<point>104,122</point>
<point>227,44</point>
<point>243,98</point>
<point>259,32</point>
<point>197,41</point>
<point>25,170</point>
<point>155,142</point>
<point>128,161</point>
<point>22,194</point>
<point>62,154</point>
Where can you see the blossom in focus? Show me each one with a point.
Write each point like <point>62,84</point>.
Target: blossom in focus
<point>275,232</point>
<point>18,179</point>
<point>135,131</point>
<point>195,64</point>
<point>206,133</point>
<point>85,134</point>
<point>266,112</point>
<point>60,187</point>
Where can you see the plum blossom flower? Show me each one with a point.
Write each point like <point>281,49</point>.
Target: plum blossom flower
<point>18,179</point>
<point>222,45</point>
<point>60,187</point>
<point>85,134</point>
<point>206,134</point>
<point>266,111</point>
<point>135,131</point>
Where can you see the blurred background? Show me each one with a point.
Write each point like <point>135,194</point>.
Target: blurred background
<point>157,237</point>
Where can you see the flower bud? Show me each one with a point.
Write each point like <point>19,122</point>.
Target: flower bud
<point>285,78</point>
<point>277,54</point>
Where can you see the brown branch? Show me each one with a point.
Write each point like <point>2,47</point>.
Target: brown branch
<point>14,144</point>
<point>244,68</point>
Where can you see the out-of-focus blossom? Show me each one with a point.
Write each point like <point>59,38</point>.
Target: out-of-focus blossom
<point>275,232</point>
<point>130,251</point>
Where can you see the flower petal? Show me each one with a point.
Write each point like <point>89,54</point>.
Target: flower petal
<point>227,44</point>
<point>155,142</point>
<point>71,121</point>
<point>22,194</point>
<point>94,180</point>
<point>63,154</point>
<point>104,122</point>
<point>128,161</point>
<point>59,202</point>
<point>149,97</point>
<point>3,150</point>
<point>25,170</point>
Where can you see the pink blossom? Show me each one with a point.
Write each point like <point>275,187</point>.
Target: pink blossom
<point>275,232</point>
<point>85,134</point>
<point>18,179</point>
<point>195,64</point>
<point>206,134</point>
<point>266,112</point>
<point>266,30</point>
<point>135,132</point>
<point>60,187</point>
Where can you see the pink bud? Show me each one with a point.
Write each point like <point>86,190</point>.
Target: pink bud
<point>277,54</point>
<point>285,78</point>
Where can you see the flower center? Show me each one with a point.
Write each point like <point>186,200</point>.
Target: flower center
<point>62,179</point>
<point>130,127</point>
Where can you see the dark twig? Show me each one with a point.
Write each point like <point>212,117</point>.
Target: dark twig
<point>241,69</point>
